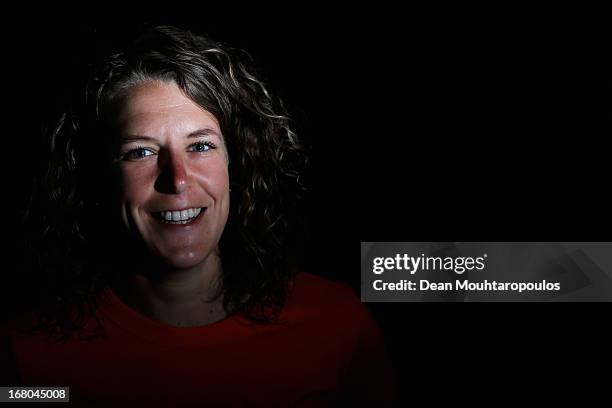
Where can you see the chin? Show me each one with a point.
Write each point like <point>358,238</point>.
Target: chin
<point>172,258</point>
<point>185,260</point>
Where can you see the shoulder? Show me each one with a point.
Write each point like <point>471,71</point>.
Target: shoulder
<point>335,311</point>
<point>326,301</point>
<point>315,291</point>
<point>12,332</point>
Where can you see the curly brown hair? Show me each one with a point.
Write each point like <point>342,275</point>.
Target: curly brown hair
<point>70,211</point>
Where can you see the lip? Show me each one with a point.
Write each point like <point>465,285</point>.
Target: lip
<point>194,222</point>
<point>178,209</point>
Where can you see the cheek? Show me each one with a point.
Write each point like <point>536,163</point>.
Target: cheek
<point>214,176</point>
<point>135,181</point>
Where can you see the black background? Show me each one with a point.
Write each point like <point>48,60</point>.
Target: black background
<point>425,125</point>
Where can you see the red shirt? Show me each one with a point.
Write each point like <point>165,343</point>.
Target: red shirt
<point>326,346</point>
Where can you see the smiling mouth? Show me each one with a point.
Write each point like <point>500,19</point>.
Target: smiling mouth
<point>179,217</point>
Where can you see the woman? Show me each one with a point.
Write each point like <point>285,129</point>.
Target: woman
<point>166,206</point>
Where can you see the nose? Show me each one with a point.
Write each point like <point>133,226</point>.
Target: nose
<point>174,176</point>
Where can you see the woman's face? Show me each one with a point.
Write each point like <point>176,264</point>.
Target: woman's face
<point>173,173</point>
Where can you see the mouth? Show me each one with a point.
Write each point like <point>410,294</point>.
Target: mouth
<point>179,217</point>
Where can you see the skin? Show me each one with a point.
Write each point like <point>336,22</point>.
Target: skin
<point>171,156</point>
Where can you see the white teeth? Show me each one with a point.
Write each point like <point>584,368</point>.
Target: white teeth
<point>180,216</point>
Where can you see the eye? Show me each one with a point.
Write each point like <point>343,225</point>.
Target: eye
<point>137,154</point>
<point>201,147</point>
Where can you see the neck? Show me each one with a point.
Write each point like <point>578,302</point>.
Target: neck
<point>177,297</point>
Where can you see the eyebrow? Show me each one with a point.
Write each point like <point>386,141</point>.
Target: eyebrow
<point>207,131</point>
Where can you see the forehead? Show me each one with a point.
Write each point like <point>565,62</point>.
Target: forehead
<point>157,106</point>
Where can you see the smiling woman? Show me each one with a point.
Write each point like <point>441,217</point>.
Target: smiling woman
<point>174,191</point>
<point>163,219</point>
<point>173,165</point>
